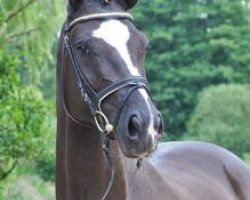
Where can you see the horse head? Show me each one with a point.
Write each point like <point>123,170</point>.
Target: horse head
<point>107,87</point>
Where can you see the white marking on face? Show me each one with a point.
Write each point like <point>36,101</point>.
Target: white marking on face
<point>151,129</point>
<point>117,35</point>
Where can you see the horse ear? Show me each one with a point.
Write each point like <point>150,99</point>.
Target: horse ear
<point>130,3</point>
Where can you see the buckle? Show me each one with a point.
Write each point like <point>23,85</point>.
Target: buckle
<point>108,128</point>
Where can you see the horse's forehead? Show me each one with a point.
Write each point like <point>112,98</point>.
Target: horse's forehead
<point>113,32</point>
<point>116,34</point>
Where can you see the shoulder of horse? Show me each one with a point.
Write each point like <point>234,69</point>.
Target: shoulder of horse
<point>188,151</point>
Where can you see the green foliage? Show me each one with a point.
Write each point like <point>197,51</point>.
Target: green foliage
<point>44,165</point>
<point>194,44</point>
<point>30,29</point>
<point>247,158</point>
<point>25,128</point>
<point>222,116</point>
<point>28,32</point>
<point>26,188</point>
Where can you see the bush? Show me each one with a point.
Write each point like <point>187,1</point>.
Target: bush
<point>26,128</point>
<point>44,165</point>
<point>222,116</point>
<point>27,84</point>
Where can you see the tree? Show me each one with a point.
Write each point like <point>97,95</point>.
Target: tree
<point>30,28</point>
<point>222,117</point>
<point>195,43</point>
<point>25,128</point>
<point>28,32</point>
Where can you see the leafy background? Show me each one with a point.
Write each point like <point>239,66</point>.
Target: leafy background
<point>198,67</point>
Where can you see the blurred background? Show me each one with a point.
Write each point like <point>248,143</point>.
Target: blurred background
<point>198,67</point>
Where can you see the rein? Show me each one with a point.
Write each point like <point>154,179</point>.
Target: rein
<point>93,99</point>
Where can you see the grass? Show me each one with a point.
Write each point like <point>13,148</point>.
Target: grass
<point>27,187</point>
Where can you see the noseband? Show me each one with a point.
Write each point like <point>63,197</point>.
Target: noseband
<point>90,97</point>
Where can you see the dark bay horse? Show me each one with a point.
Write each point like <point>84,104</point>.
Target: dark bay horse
<point>108,126</point>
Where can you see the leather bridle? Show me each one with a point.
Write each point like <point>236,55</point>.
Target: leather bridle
<point>93,99</point>
<point>90,97</point>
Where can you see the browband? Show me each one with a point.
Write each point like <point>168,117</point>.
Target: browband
<point>99,16</point>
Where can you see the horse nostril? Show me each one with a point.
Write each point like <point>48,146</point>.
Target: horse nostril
<point>133,126</point>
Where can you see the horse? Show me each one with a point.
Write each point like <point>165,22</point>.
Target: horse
<point>108,126</point>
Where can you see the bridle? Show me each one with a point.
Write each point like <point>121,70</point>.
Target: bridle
<point>90,97</point>
<point>94,100</point>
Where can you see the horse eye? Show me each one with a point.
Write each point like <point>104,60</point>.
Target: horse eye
<point>84,48</point>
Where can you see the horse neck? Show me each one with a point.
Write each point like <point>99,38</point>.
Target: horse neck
<point>81,168</point>
<point>87,173</point>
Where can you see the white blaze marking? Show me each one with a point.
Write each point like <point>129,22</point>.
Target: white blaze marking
<point>117,35</point>
<point>151,129</point>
